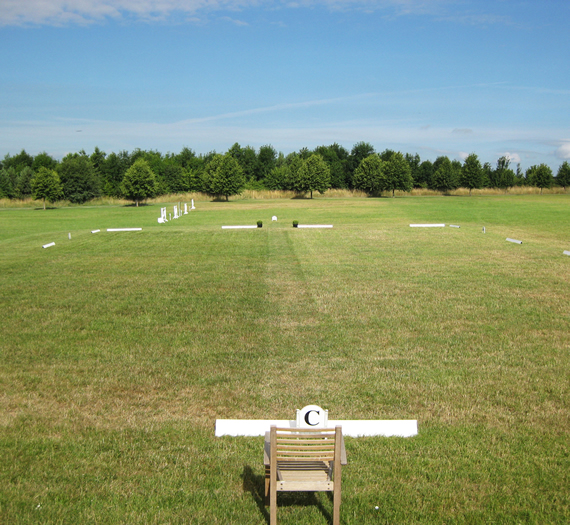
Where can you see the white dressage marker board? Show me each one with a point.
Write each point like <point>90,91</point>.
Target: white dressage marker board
<point>514,240</point>
<point>124,229</point>
<point>95,231</point>
<point>314,226</point>
<point>427,225</point>
<point>312,416</point>
<point>48,245</point>
<point>453,226</point>
<point>237,227</point>
<point>566,252</point>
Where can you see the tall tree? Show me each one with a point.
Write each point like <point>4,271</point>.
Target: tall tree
<point>23,183</point>
<point>563,175</point>
<point>398,173</point>
<point>224,176</point>
<point>45,160</point>
<point>414,162</point>
<point>46,185</point>
<point>18,162</point>
<point>425,173</point>
<point>540,176</point>
<point>139,182</point>
<point>79,178</point>
<point>504,177</point>
<point>266,161</point>
<point>359,152</point>
<point>471,173</point>
<point>444,179</point>
<point>6,187</point>
<point>330,155</point>
<point>370,176</point>
<point>313,175</point>
<point>113,170</point>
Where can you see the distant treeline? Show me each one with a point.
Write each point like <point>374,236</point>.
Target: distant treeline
<point>84,177</point>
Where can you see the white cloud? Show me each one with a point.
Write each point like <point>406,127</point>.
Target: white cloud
<point>66,12</point>
<point>513,157</point>
<point>563,151</point>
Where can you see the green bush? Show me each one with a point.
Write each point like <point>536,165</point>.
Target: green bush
<point>295,224</point>
<point>259,224</point>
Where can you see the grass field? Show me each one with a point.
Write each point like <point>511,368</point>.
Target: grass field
<point>119,351</point>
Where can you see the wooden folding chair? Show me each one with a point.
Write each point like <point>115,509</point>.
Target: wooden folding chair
<point>303,459</point>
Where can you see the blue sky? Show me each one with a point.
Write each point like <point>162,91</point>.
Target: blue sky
<point>434,77</point>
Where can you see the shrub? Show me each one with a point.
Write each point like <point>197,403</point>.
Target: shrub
<point>295,224</point>
<point>259,224</point>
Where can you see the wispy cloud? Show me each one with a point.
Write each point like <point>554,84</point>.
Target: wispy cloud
<point>69,12</point>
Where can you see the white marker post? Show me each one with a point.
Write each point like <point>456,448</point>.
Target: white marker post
<point>185,208</point>
<point>313,416</point>
<point>193,204</point>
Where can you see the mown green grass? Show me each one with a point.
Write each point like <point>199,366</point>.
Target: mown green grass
<point>119,351</point>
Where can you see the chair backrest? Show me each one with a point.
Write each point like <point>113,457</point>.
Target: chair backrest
<point>305,444</point>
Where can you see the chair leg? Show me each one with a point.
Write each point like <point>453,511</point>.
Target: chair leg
<point>336,505</point>
<point>267,479</point>
<point>273,506</point>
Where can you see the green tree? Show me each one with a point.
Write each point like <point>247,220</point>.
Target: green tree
<point>6,187</point>
<point>112,170</point>
<point>45,160</point>
<point>46,185</point>
<point>359,152</point>
<point>79,178</point>
<point>23,183</point>
<point>398,173</point>
<point>224,176</point>
<point>18,162</point>
<point>563,175</point>
<point>540,176</point>
<point>471,173</point>
<point>503,177</point>
<point>278,178</point>
<point>330,155</point>
<point>370,176</point>
<point>139,182</point>
<point>313,175</point>
<point>266,161</point>
<point>444,179</point>
<point>414,162</point>
<point>425,173</point>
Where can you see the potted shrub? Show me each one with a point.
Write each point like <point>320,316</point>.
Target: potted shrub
<point>259,224</point>
<point>295,224</point>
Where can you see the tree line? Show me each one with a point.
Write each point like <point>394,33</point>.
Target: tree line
<point>142,174</point>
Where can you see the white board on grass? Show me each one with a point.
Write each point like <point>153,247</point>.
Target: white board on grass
<point>514,240</point>
<point>566,252</point>
<point>427,225</point>
<point>314,226</point>
<point>124,229</point>
<point>48,245</point>
<point>350,427</point>
<point>237,227</point>
<point>95,231</point>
